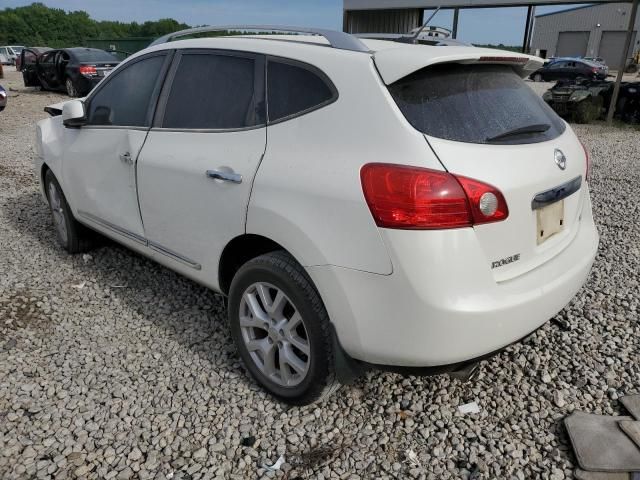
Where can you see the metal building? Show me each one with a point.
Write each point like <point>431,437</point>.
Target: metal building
<point>591,30</point>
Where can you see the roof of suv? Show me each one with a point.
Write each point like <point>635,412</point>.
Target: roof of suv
<point>393,59</point>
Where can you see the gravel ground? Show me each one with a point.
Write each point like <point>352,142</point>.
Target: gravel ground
<point>114,367</point>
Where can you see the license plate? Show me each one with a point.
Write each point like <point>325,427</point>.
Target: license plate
<point>550,220</point>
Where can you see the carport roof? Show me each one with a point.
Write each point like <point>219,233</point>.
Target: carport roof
<point>430,4</point>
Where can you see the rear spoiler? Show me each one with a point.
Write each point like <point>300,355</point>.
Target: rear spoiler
<point>396,63</point>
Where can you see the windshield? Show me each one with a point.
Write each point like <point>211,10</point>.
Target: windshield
<point>94,56</point>
<point>474,104</point>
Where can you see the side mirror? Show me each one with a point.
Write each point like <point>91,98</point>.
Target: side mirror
<point>73,114</point>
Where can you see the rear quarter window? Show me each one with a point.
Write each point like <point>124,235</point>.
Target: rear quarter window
<point>295,88</point>
<point>473,104</point>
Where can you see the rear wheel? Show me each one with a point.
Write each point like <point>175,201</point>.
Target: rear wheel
<point>71,88</point>
<point>281,329</point>
<point>72,236</point>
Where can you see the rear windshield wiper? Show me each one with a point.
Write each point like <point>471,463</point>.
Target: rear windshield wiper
<point>536,128</point>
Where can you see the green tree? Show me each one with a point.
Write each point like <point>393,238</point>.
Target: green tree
<point>39,25</point>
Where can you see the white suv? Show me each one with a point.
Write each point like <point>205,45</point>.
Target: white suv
<point>360,202</point>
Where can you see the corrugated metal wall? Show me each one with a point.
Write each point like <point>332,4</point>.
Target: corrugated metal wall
<point>382,21</point>
<point>610,17</point>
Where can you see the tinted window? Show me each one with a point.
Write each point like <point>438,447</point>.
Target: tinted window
<point>87,55</point>
<point>125,98</point>
<point>294,89</point>
<point>473,104</point>
<point>213,92</point>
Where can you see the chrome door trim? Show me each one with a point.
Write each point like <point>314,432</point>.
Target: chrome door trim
<point>130,235</point>
<point>141,240</point>
<point>175,256</point>
<point>556,194</point>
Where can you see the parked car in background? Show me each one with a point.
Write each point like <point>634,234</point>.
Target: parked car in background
<point>3,98</point>
<point>74,70</point>
<point>569,69</point>
<point>10,53</point>
<point>448,217</point>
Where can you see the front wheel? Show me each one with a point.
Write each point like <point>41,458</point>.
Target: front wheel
<point>281,329</point>
<point>72,236</point>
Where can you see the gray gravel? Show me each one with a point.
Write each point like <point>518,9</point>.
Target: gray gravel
<point>134,375</point>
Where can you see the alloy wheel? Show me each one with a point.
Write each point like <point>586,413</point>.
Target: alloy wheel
<point>71,90</point>
<point>274,334</point>
<point>55,201</point>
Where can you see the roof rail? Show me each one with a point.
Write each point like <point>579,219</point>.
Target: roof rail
<point>336,39</point>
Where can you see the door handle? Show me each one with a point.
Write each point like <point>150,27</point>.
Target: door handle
<point>225,176</point>
<point>126,158</point>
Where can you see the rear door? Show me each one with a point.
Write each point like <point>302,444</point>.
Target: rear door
<point>470,115</point>
<point>196,169</point>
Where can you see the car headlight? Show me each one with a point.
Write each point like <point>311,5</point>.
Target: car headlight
<point>633,90</point>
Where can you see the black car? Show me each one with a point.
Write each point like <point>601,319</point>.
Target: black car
<point>569,69</point>
<point>74,70</point>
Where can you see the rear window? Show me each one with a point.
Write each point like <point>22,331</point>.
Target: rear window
<point>94,56</point>
<point>213,91</point>
<point>474,104</point>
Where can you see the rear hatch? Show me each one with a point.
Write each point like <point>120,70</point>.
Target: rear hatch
<point>483,122</point>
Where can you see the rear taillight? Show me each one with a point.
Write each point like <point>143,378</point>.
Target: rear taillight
<point>587,163</point>
<point>88,70</point>
<point>404,197</point>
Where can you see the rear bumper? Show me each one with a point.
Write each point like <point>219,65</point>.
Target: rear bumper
<point>441,305</point>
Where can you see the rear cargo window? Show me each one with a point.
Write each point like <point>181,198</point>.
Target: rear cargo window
<point>475,104</point>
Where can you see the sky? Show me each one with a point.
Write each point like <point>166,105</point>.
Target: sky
<point>499,25</point>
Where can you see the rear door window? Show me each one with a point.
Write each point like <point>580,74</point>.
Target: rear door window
<point>474,104</point>
<point>125,98</point>
<point>216,91</point>
<point>294,88</point>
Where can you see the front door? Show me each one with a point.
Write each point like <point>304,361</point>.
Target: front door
<point>28,68</point>
<point>197,166</point>
<point>99,166</point>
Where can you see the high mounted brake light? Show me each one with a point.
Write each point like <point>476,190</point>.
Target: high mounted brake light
<point>504,59</point>
<point>412,198</point>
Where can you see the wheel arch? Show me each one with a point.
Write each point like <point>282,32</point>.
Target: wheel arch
<point>240,250</point>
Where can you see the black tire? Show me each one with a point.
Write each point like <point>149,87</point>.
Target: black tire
<point>280,270</point>
<point>72,91</point>
<point>76,237</point>
<point>585,111</point>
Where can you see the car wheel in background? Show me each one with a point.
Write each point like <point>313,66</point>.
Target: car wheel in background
<point>71,88</point>
<point>537,78</point>
<point>71,235</point>
<point>281,329</point>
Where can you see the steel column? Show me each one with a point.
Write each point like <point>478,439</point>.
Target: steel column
<point>456,12</point>
<point>527,26</point>
<point>623,63</point>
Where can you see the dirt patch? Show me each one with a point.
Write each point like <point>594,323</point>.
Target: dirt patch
<point>22,309</point>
